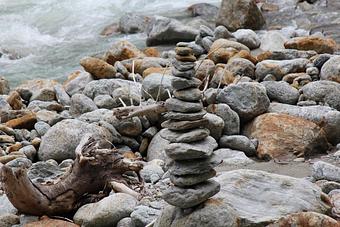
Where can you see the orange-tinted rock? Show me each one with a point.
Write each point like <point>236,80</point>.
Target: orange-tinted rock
<point>14,147</point>
<point>222,77</point>
<point>121,51</point>
<point>14,100</point>
<point>320,45</point>
<point>306,219</point>
<point>245,54</point>
<point>25,122</point>
<point>222,55</point>
<point>151,52</point>
<point>47,222</point>
<point>151,70</point>
<point>99,69</point>
<point>264,56</point>
<point>285,136</point>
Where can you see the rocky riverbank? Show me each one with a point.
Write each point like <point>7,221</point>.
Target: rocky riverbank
<point>246,129</point>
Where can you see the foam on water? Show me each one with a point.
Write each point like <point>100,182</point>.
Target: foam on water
<point>53,35</point>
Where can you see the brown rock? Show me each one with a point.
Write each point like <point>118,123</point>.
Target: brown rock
<point>6,139</point>
<point>122,50</point>
<point>222,55</point>
<point>283,136</point>
<point>204,68</point>
<point>47,222</point>
<point>187,58</point>
<point>25,122</point>
<point>14,147</point>
<point>245,54</point>
<point>236,14</point>
<point>320,45</point>
<point>14,100</point>
<point>306,219</point>
<point>36,142</point>
<point>4,86</point>
<point>151,52</point>
<point>142,64</point>
<point>42,90</point>
<point>183,51</point>
<point>222,77</point>
<point>99,69</point>
<point>222,50</point>
<point>147,72</point>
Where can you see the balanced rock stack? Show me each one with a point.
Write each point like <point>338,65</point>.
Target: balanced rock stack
<point>191,148</point>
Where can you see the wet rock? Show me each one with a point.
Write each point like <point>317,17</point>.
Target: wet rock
<point>157,84</point>
<point>306,219</point>
<point>325,171</point>
<point>238,142</point>
<point>240,14</point>
<point>165,30</point>
<point>281,91</point>
<point>318,44</point>
<point>230,118</point>
<point>247,37</point>
<point>4,86</point>
<point>81,104</point>
<point>280,68</point>
<point>122,50</point>
<point>98,68</point>
<point>185,198</point>
<point>60,141</point>
<point>131,23</point>
<point>293,136</point>
<point>323,115</point>
<point>247,99</point>
<point>144,215</point>
<point>331,69</point>
<point>106,212</point>
<point>185,151</point>
<point>231,157</point>
<point>76,82</point>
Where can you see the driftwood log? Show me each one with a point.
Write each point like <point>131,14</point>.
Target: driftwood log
<point>138,111</point>
<point>92,171</point>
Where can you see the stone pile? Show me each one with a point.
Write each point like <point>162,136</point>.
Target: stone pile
<point>191,148</point>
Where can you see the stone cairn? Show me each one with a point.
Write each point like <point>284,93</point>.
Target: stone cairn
<point>191,148</point>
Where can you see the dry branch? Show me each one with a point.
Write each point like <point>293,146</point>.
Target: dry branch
<point>137,111</point>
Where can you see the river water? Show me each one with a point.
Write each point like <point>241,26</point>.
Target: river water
<point>51,36</point>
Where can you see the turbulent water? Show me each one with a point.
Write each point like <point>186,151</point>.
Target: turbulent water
<point>51,36</point>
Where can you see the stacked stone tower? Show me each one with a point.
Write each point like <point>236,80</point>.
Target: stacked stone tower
<point>191,148</point>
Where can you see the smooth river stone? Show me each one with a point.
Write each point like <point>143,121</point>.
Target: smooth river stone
<point>185,74</point>
<point>196,166</point>
<point>179,83</point>
<point>188,180</point>
<point>183,66</point>
<point>190,94</point>
<point>184,125</point>
<point>177,105</point>
<point>190,197</point>
<point>186,136</point>
<point>187,58</point>
<point>185,116</point>
<point>183,51</point>
<point>186,151</point>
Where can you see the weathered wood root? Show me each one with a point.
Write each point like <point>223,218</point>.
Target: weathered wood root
<point>92,170</point>
<point>137,111</point>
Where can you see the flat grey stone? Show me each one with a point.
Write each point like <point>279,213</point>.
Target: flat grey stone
<point>190,197</point>
<point>184,125</point>
<point>182,83</point>
<point>198,166</point>
<point>185,137</point>
<point>177,105</point>
<point>238,142</point>
<point>190,94</point>
<point>191,179</point>
<point>186,151</point>
<point>183,66</point>
<point>185,116</point>
<point>184,74</point>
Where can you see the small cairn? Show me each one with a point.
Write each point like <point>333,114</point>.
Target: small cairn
<point>191,148</point>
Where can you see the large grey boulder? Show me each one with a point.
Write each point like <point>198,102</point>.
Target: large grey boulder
<point>61,140</point>
<point>106,212</point>
<point>323,91</point>
<point>163,30</point>
<point>248,99</point>
<point>331,69</point>
<point>249,198</point>
<point>131,23</point>
<point>281,91</point>
<point>323,115</point>
<point>156,149</point>
<point>157,84</point>
<point>236,14</point>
